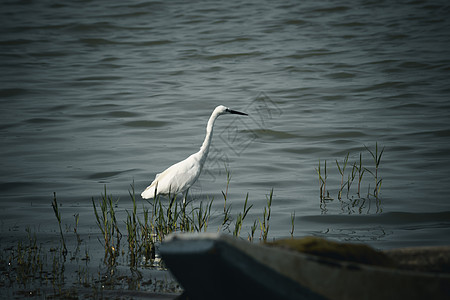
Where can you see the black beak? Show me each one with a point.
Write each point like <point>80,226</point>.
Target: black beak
<point>236,112</point>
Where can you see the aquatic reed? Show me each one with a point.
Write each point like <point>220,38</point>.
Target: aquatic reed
<point>356,173</point>
<point>28,258</point>
<point>264,225</point>
<point>107,223</point>
<point>58,217</point>
<point>75,231</point>
<point>361,171</point>
<point>226,209</point>
<point>377,160</point>
<point>252,231</point>
<point>342,172</point>
<point>133,237</point>
<point>240,218</point>
<point>322,180</point>
<point>202,215</point>
<point>149,226</point>
<point>351,178</point>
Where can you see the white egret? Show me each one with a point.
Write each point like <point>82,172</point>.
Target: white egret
<point>179,177</point>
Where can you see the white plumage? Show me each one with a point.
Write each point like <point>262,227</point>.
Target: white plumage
<point>179,177</point>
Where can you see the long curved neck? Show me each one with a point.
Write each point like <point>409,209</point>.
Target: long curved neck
<point>204,149</point>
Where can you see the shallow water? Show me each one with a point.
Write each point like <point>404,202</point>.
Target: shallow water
<point>98,93</point>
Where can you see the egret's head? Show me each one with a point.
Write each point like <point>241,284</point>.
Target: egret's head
<point>221,110</point>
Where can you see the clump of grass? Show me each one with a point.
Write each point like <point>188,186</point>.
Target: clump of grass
<point>107,223</point>
<point>143,229</point>
<point>29,266</point>
<point>177,216</point>
<point>348,177</point>
<point>28,259</point>
<point>166,219</point>
<point>202,214</point>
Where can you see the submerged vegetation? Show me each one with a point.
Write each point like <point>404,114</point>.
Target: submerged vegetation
<point>130,243</point>
<point>130,237</point>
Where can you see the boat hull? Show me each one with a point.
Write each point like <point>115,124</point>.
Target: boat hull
<point>212,266</point>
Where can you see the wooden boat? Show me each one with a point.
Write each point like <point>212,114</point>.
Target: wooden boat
<point>213,266</point>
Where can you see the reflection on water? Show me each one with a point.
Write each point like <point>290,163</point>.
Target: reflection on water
<point>355,206</point>
<point>387,230</point>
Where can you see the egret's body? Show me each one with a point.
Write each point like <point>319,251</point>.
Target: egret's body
<point>179,177</point>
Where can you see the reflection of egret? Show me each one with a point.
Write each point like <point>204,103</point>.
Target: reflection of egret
<point>179,177</point>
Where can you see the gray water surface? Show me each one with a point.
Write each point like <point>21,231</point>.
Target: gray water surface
<point>97,93</point>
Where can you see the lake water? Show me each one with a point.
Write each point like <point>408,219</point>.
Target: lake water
<point>97,93</point>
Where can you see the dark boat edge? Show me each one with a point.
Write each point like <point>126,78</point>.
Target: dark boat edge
<point>220,266</point>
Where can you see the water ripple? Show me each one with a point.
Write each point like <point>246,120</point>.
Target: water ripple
<point>83,87</point>
<point>146,124</point>
<point>391,218</point>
